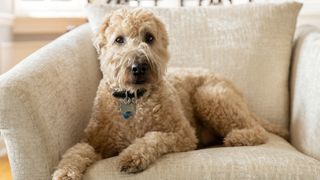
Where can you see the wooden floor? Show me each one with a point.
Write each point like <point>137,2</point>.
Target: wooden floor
<point>5,173</point>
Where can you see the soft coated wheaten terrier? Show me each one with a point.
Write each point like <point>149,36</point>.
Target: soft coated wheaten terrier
<point>141,112</point>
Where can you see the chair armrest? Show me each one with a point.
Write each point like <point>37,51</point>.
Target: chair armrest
<point>305,92</point>
<point>46,102</point>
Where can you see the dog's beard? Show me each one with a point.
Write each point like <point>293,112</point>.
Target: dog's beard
<point>121,73</point>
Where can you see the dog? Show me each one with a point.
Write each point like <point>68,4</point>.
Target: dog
<point>142,112</point>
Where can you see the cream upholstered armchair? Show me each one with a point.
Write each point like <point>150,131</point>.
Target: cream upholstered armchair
<point>45,103</point>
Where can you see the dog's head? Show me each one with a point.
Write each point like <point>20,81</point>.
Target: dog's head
<point>132,46</point>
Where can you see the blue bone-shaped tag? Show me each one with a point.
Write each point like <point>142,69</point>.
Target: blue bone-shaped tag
<point>127,115</point>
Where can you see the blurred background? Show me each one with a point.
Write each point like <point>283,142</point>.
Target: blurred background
<point>27,25</point>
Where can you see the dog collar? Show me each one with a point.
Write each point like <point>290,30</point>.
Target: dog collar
<point>127,94</point>
<point>127,105</point>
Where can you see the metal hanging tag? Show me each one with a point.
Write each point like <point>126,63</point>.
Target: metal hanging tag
<point>128,107</point>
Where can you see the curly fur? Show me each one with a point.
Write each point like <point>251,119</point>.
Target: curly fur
<point>181,110</point>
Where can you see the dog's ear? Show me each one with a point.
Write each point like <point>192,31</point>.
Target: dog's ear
<point>162,33</point>
<point>100,39</point>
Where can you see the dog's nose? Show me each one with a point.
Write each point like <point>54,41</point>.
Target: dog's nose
<point>139,69</point>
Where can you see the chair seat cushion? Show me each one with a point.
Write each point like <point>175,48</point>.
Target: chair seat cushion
<point>276,159</point>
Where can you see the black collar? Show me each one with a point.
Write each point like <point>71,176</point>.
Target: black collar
<point>127,94</point>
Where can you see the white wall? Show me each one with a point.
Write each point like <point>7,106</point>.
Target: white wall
<point>6,18</point>
<point>310,13</point>
<point>6,6</point>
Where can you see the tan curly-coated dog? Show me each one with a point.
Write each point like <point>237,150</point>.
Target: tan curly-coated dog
<point>141,112</point>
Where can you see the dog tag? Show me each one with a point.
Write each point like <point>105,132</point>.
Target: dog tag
<point>127,110</point>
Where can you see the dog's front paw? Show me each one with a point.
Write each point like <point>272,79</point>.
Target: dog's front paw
<point>66,174</point>
<point>132,163</point>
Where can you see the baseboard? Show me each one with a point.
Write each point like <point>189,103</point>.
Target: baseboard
<point>30,25</point>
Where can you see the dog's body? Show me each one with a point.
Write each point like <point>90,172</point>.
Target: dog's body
<point>176,112</point>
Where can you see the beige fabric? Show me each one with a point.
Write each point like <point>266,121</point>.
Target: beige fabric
<point>46,102</point>
<point>305,84</point>
<point>249,44</point>
<point>275,160</point>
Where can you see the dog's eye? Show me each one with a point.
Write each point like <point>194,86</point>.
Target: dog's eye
<point>148,38</point>
<point>119,40</point>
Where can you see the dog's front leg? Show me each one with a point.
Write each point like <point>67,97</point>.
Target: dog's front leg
<point>75,161</point>
<point>147,149</point>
